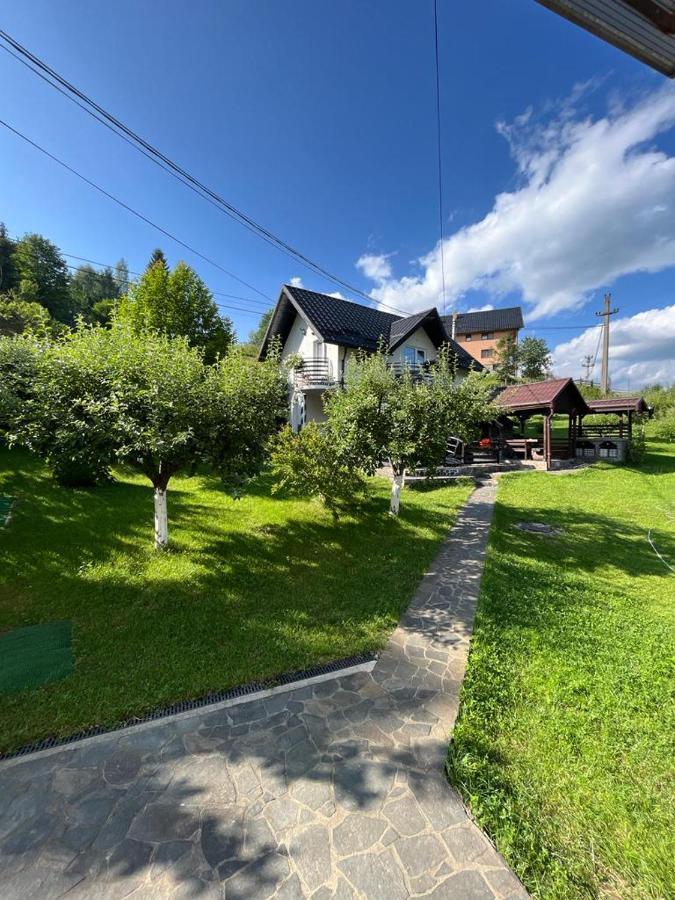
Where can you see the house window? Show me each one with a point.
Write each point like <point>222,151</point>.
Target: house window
<point>467,337</point>
<point>487,354</point>
<point>414,357</point>
<point>487,336</point>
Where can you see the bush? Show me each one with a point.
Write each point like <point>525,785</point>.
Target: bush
<point>18,361</point>
<point>637,445</point>
<point>663,428</point>
<point>307,464</point>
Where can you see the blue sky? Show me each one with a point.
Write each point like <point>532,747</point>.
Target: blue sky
<point>318,120</point>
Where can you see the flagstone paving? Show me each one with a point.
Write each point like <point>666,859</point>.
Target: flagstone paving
<point>335,790</point>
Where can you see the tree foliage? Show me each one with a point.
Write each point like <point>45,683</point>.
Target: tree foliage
<point>507,359</point>
<point>17,316</point>
<point>157,257</point>
<point>179,304</point>
<point>534,359</point>
<point>19,357</point>
<point>308,464</point>
<point>529,360</point>
<point>100,396</point>
<point>9,277</point>
<point>383,417</point>
<point>257,335</point>
<point>43,276</point>
<point>89,287</point>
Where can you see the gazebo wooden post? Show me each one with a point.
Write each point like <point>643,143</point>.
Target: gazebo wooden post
<point>620,425</point>
<point>630,424</point>
<point>547,439</point>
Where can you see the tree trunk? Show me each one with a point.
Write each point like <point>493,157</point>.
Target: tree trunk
<point>396,485</point>
<point>161,520</point>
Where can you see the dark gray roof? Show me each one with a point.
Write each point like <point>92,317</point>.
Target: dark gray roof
<point>343,322</point>
<point>486,320</point>
<point>349,324</point>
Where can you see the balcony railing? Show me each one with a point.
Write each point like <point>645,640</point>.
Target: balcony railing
<point>417,372</point>
<point>313,373</point>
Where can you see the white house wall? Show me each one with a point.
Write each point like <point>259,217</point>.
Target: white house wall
<point>301,340</point>
<point>419,340</point>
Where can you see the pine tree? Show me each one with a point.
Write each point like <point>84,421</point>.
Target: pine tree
<point>157,257</point>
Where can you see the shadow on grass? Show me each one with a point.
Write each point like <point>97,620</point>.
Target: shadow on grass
<point>242,596</point>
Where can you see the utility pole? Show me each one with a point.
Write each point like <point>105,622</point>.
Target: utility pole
<point>588,364</point>
<point>606,313</point>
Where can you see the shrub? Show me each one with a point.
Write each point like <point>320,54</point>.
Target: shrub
<point>307,464</point>
<point>664,427</point>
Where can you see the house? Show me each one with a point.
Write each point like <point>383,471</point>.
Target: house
<point>643,28</point>
<point>479,332</point>
<point>325,332</point>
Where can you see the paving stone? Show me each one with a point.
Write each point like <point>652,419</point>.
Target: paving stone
<point>343,891</point>
<point>404,816</point>
<point>375,876</point>
<point>222,834</point>
<point>505,885</point>
<point>335,790</point>
<point>467,885</point>
<point>73,783</point>
<point>129,858</point>
<point>163,822</point>
<point>310,851</point>
<point>357,832</point>
<point>423,884</point>
<point>259,879</point>
<point>315,788</point>
<point>468,844</point>
<point>420,854</point>
<point>291,889</point>
<point>282,814</point>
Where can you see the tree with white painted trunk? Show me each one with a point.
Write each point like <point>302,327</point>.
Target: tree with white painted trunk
<point>406,421</point>
<point>102,396</point>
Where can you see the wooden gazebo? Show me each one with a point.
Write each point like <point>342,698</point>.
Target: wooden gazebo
<point>546,398</point>
<point>619,406</point>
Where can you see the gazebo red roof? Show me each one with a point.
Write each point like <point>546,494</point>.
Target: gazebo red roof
<point>618,405</point>
<point>554,395</point>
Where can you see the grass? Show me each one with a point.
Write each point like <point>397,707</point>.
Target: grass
<point>251,588</point>
<point>563,746</point>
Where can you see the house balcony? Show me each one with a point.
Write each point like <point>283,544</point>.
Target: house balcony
<point>314,374</point>
<point>418,372</point>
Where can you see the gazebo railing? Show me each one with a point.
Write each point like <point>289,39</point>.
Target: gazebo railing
<point>598,431</point>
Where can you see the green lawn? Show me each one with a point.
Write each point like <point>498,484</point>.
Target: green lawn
<point>564,744</point>
<point>252,588</point>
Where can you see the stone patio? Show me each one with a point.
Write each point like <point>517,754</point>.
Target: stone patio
<point>334,790</point>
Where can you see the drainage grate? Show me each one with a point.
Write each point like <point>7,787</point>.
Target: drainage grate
<point>241,690</point>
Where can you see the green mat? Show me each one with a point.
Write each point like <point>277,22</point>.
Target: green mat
<point>33,656</point>
<point>5,509</point>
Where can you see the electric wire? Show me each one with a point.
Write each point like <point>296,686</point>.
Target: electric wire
<point>440,155</point>
<point>86,103</point>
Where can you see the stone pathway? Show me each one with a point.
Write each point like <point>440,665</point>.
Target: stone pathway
<point>335,790</point>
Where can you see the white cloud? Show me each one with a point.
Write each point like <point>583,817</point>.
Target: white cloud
<point>642,349</point>
<point>597,201</point>
<point>296,281</point>
<point>375,266</point>
<point>485,308</point>
<point>337,295</point>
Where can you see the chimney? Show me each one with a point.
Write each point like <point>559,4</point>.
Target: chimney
<point>454,325</point>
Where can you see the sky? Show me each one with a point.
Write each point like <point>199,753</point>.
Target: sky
<point>318,120</point>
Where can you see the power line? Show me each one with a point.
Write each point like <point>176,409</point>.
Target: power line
<point>50,76</point>
<point>93,262</point>
<point>253,312</point>
<point>131,209</point>
<point>440,155</point>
